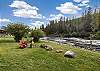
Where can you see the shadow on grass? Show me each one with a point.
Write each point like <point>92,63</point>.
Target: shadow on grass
<point>7,41</point>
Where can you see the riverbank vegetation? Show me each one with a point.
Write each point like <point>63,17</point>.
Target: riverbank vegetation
<point>87,26</point>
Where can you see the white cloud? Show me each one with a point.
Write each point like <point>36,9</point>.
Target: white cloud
<point>36,24</point>
<point>25,13</point>
<point>78,1</point>
<point>84,3</point>
<point>39,16</point>
<point>22,5</point>
<point>4,20</point>
<point>23,9</point>
<point>68,8</point>
<point>55,17</point>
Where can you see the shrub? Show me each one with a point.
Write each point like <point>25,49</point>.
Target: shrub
<point>18,37</point>
<point>36,34</point>
<point>17,30</point>
<point>74,34</point>
<point>43,46</point>
<point>97,35</point>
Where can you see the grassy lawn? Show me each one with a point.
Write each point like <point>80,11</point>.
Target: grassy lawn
<point>38,59</point>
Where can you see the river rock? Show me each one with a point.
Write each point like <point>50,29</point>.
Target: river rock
<point>69,54</point>
<point>59,51</point>
<point>43,46</point>
<point>49,48</point>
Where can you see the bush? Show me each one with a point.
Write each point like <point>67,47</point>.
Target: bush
<point>74,34</point>
<point>36,34</point>
<point>43,45</point>
<point>97,35</point>
<point>36,39</point>
<point>18,37</point>
<point>17,30</point>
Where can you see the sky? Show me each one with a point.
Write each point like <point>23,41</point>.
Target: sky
<point>34,13</point>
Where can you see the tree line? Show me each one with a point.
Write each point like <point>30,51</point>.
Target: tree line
<point>87,26</point>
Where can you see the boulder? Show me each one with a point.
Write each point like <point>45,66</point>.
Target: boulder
<point>43,46</point>
<point>69,54</point>
<point>49,48</point>
<point>59,51</point>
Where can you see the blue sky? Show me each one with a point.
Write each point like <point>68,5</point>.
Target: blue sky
<point>37,12</point>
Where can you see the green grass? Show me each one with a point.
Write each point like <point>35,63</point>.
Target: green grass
<point>37,59</point>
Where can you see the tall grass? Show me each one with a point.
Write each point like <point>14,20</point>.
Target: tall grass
<point>7,39</point>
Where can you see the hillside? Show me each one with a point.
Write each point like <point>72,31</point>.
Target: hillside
<point>38,59</point>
